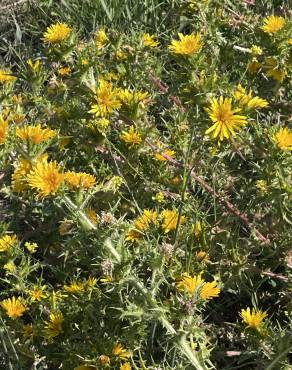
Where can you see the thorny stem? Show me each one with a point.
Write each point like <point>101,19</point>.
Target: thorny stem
<point>181,338</point>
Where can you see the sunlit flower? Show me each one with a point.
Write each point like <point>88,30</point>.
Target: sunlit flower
<point>209,290</point>
<point>75,287</point>
<point>53,327</point>
<point>131,137</point>
<point>125,366</point>
<point>273,24</point>
<point>36,134</point>
<point>129,97</point>
<point>99,125</point>
<point>256,50</point>
<point>45,178</point>
<point>191,284</point>
<point>272,69</point>
<point>14,307</point>
<point>247,101</point>
<point>64,71</point>
<point>56,33</point>
<point>81,180</point>
<point>101,39</point>
<point>31,247</point>
<point>141,224</point>
<point>120,55</point>
<point>253,318</point>
<point>159,155</point>
<point>202,256</point>
<point>283,138</point>
<point>149,40</point>
<point>10,266</point>
<point>106,98</point>
<point>6,77</point>
<point>92,215</point>
<point>37,293</point>
<point>198,228</point>
<point>133,235</point>
<point>7,241</point>
<point>35,66</point>
<point>27,331</point>
<point>3,129</point>
<point>186,45</point>
<point>90,282</point>
<point>226,121</point>
<point>261,185</point>
<point>170,220</point>
<point>119,351</point>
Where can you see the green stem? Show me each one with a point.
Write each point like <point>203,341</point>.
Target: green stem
<point>279,358</point>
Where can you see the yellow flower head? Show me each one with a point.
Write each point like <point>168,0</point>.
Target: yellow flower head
<point>35,134</point>
<point>101,39</point>
<point>253,319</point>
<point>31,247</point>
<point>209,290</point>
<point>91,214</point>
<point>104,360</point>
<point>253,66</point>
<point>7,241</point>
<point>149,40</point>
<point>226,121</point>
<point>27,331</point>
<point>131,137</point>
<point>273,24</point>
<point>125,366</point>
<point>256,50</point>
<point>77,180</point>
<point>247,101</point>
<point>186,45</point>
<point>107,99</point>
<point>119,351</point>
<point>283,138</point>
<point>6,77</point>
<point>189,284</point>
<point>75,287</point>
<point>159,155</point>
<point>10,266</point>
<point>37,293</point>
<point>64,71</point>
<point>45,178</point>
<point>53,327</point>
<point>142,223</point>
<point>35,66</point>
<point>133,236</point>
<point>170,220</point>
<point>14,307</point>
<point>56,33</point>
<point>3,129</point>
<point>129,97</point>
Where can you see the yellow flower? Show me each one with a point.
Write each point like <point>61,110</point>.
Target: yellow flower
<point>19,180</point>
<point>133,236</point>
<point>3,129</point>
<point>149,41</point>
<point>6,77</point>
<point>186,45</point>
<point>202,256</point>
<point>107,99</point>
<point>129,97</point>
<point>198,228</point>
<point>34,66</point>
<point>256,50</point>
<point>120,55</point>
<point>290,41</point>
<point>225,119</point>
<point>209,290</point>
<point>53,327</point>
<point>45,178</point>
<point>64,71</point>
<point>91,282</point>
<point>104,360</point>
<point>27,331</point>
<point>125,366</point>
<point>189,284</point>
<point>31,247</point>
<point>273,24</point>
<point>98,125</point>
<point>170,219</point>
<point>36,134</point>
<point>142,223</point>
<point>253,319</point>
<point>261,185</point>
<point>56,33</point>
<point>79,180</point>
<point>10,266</point>
<point>85,367</point>
<point>283,138</point>
<point>37,293</point>
<point>272,70</point>
<point>7,241</point>
<point>159,154</point>
<point>14,307</point>
<point>91,214</point>
<point>119,351</point>
<point>75,287</point>
<point>101,39</point>
<point>247,101</point>
<point>131,137</point>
